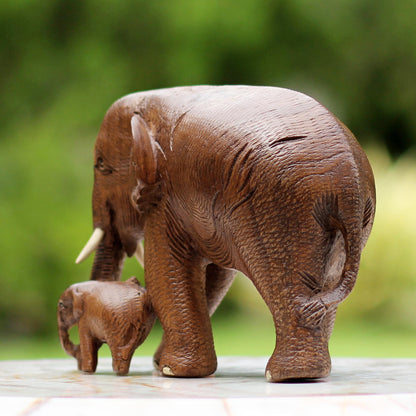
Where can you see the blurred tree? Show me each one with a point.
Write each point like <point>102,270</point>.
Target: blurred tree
<point>64,62</point>
<point>359,56</point>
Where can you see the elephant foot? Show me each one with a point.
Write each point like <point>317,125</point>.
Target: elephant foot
<point>303,372</point>
<point>121,362</point>
<point>121,368</point>
<point>121,371</point>
<point>188,372</point>
<point>158,354</point>
<point>187,365</point>
<point>304,364</point>
<point>87,367</point>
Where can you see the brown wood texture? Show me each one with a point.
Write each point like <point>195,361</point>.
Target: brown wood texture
<point>116,313</point>
<point>262,180</point>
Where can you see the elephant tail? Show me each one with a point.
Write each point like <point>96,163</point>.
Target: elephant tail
<point>327,215</point>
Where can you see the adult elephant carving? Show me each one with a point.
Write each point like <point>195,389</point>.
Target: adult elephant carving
<point>216,179</point>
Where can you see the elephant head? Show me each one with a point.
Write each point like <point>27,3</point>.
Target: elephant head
<point>125,185</point>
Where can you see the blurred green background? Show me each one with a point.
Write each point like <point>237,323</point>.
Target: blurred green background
<point>64,62</point>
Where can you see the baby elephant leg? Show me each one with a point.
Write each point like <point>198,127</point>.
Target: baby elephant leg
<point>88,352</point>
<point>122,358</point>
<point>121,362</point>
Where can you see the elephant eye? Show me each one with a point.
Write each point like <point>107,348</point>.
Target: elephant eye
<point>61,305</point>
<point>102,167</point>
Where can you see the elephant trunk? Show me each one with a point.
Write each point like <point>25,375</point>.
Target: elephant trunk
<point>109,256</point>
<point>67,344</point>
<point>109,260</point>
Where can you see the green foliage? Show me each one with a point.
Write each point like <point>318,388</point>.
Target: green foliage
<point>74,58</point>
<point>63,63</point>
<point>236,336</point>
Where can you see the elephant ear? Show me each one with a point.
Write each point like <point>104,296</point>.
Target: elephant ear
<point>133,280</point>
<point>144,151</point>
<point>77,303</point>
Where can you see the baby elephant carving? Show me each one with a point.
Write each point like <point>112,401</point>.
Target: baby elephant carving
<point>117,313</point>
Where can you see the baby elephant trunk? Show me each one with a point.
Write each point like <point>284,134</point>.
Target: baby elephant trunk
<point>67,344</point>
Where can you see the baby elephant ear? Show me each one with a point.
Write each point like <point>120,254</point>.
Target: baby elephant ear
<point>144,151</point>
<point>134,280</point>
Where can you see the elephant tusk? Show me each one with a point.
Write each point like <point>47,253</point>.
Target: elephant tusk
<point>91,245</point>
<point>139,254</point>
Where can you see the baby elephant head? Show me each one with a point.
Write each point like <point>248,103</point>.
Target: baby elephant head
<point>117,313</point>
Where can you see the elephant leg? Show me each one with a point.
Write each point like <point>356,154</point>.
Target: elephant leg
<point>301,350</point>
<point>88,352</point>
<point>121,359</point>
<point>218,282</point>
<point>122,350</point>
<point>175,280</point>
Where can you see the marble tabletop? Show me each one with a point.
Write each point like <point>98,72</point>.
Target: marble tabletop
<point>356,386</point>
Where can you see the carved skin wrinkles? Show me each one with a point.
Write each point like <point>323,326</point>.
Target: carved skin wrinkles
<point>116,313</point>
<point>215,179</point>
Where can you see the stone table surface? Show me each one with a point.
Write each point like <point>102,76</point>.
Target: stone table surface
<point>356,386</point>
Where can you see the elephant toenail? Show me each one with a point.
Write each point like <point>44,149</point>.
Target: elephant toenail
<point>269,375</point>
<point>167,371</point>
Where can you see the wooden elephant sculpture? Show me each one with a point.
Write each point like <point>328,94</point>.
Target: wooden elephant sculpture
<point>117,313</point>
<point>215,179</point>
